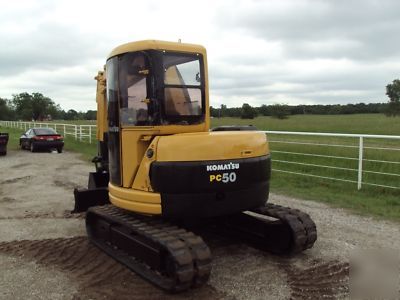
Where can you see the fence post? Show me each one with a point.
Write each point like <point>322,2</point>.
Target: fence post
<point>360,162</point>
<point>90,134</point>
<point>80,133</point>
<point>65,135</point>
<point>76,132</point>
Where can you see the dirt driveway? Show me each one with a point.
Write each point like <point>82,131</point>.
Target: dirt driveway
<point>44,252</point>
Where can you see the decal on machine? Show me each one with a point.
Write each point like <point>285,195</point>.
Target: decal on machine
<point>223,177</point>
<point>223,167</point>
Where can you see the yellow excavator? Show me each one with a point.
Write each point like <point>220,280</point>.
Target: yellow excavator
<point>163,177</point>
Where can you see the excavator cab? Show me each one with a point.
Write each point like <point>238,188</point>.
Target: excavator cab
<point>151,88</point>
<point>159,166</point>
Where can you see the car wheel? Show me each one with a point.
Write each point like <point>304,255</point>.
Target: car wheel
<point>59,150</point>
<point>32,147</point>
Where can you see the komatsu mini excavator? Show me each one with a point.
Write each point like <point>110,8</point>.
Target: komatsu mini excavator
<point>161,172</point>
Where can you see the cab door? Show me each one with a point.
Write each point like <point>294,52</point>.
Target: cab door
<point>128,108</point>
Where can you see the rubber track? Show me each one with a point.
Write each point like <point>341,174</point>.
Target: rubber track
<point>303,228</point>
<point>189,254</point>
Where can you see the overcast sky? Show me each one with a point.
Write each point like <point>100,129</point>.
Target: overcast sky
<point>260,52</point>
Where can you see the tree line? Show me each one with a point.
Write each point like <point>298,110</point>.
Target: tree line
<point>37,107</point>
<point>283,111</point>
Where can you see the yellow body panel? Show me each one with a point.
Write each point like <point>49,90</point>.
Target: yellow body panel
<point>142,179</point>
<point>219,145</point>
<point>134,142</point>
<point>198,146</point>
<point>134,200</point>
<point>133,148</point>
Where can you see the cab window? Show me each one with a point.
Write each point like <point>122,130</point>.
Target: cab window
<point>182,81</point>
<point>133,89</point>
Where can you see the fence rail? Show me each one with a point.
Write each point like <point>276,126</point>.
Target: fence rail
<point>83,133</point>
<point>361,159</point>
<point>357,142</point>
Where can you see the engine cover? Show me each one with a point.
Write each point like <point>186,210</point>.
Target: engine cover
<point>211,188</point>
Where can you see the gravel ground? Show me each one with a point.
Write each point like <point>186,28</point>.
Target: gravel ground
<point>44,252</point>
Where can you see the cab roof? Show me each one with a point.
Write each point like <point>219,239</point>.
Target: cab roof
<point>157,45</point>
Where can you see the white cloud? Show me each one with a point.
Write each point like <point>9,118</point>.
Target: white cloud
<point>259,51</point>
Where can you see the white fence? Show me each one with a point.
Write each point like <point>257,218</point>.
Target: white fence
<point>83,133</point>
<point>383,158</point>
<point>362,159</point>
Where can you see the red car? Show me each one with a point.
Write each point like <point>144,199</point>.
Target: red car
<point>41,139</point>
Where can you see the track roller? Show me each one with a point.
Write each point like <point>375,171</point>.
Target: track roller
<point>166,255</point>
<point>273,228</point>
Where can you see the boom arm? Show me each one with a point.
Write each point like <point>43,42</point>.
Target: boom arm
<point>101,100</point>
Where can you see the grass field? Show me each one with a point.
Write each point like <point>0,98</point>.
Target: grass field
<point>358,123</point>
<point>371,200</point>
<point>75,122</point>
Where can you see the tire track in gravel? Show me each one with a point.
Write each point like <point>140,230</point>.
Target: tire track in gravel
<point>305,279</point>
<point>47,215</point>
<point>19,166</point>
<point>98,276</point>
<point>68,185</point>
<point>14,180</point>
<point>322,280</point>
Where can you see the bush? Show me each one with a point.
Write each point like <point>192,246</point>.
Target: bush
<point>280,111</point>
<point>248,112</point>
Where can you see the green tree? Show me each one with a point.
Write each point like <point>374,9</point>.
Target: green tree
<point>33,106</point>
<point>6,112</point>
<point>214,112</point>
<point>248,112</point>
<point>264,110</point>
<point>71,115</point>
<point>223,111</point>
<point>280,111</point>
<point>23,106</point>
<point>40,106</point>
<point>393,92</point>
<point>56,112</point>
<point>90,115</point>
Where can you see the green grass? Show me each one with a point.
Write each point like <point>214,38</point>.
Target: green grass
<point>373,201</point>
<point>87,151</point>
<point>75,122</point>
<point>376,201</point>
<point>358,123</point>
<point>13,137</point>
<point>72,122</point>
